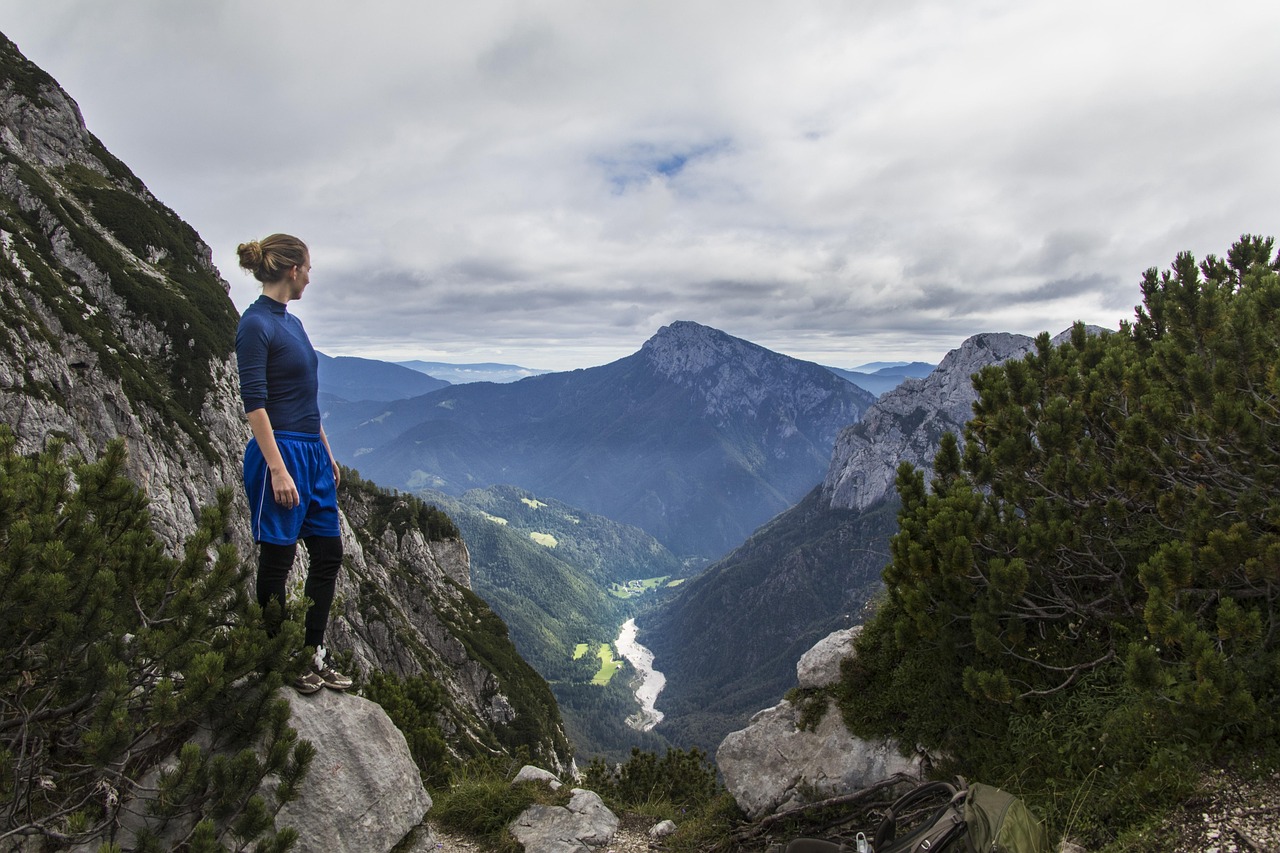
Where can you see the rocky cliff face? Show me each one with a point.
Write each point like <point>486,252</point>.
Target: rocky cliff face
<point>907,423</point>
<point>114,323</point>
<point>85,354</point>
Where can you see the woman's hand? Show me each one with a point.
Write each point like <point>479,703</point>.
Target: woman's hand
<point>337,475</point>
<point>284,489</point>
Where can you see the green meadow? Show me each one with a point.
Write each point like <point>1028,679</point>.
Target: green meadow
<point>634,588</point>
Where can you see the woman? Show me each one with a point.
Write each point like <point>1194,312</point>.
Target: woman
<point>289,471</point>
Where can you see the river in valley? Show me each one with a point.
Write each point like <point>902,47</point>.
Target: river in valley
<point>648,681</point>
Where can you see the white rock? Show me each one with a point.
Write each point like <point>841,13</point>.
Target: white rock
<point>820,666</point>
<point>529,773</point>
<point>773,764</point>
<point>585,823</point>
<point>363,792</point>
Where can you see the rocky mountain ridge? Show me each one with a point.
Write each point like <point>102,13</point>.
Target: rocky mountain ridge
<point>735,378</point>
<point>906,424</point>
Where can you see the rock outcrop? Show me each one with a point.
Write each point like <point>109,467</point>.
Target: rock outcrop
<point>775,764</point>
<point>907,423</point>
<point>584,823</point>
<point>363,792</point>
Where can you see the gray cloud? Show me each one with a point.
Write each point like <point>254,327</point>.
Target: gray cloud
<point>839,181</point>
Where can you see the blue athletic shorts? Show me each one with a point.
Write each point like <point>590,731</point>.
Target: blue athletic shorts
<point>308,462</point>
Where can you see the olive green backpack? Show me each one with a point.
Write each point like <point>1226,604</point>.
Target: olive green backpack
<point>974,819</point>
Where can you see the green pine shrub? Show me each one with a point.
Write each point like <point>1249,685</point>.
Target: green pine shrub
<point>1081,606</point>
<point>677,781</point>
<point>124,669</point>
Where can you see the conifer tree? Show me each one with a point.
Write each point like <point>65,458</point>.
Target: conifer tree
<point>1113,519</point>
<point>133,711</point>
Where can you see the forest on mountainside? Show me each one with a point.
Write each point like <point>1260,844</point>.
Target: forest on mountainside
<point>1081,606</point>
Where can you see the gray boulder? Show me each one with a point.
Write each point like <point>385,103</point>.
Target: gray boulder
<point>820,666</point>
<point>585,823</point>
<point>773,764</point>
<point>363,793</point>
<point>529,773</point>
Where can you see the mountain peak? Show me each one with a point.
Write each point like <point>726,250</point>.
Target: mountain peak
<point>688,348</point>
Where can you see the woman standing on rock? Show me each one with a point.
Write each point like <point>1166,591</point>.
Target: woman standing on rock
<point>289,472</point>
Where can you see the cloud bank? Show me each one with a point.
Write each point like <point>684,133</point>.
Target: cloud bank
<point>548,184</point>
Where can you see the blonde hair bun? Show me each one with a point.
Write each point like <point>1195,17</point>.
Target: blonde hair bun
<point>271,257</point>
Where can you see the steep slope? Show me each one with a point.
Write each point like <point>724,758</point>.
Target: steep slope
<point>115,323</point>
<point>697,438</point>
<point>812,569</point>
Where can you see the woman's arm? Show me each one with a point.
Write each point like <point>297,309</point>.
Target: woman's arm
<point>282,485</point>
<point>337,478</point>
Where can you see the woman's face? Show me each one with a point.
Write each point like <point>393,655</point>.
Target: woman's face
<point>299,278</point>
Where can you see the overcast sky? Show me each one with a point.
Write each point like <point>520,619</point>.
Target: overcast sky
<point>548,183</point>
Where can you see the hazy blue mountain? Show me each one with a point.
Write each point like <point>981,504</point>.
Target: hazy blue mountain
<point>878,380</point>
<point>460,374</point>
<point>356,379</point>
<point>698,438</point>
<point>873,366</point>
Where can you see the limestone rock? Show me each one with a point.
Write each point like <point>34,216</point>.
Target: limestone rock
<point>661,830</point>
<point>529,773</point>
<point>363,792</point>
<point>820,666</point>
<point>585,823</point>
<point>907,423</point>
<point>773,764</point>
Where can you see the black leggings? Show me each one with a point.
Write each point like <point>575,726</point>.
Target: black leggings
<point>274,563</point>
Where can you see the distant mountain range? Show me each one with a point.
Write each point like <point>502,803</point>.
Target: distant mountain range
<point>354,379</point>
<point>460,374</point>
<point>879,377</point>
<point>698,438</point>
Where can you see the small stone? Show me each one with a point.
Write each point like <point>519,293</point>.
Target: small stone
<point>662,830</point>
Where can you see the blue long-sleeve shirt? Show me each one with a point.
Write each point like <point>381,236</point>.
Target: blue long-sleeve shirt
<point>277,367</point>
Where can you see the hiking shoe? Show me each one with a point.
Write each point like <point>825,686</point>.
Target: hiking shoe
<point>307,683</point>
<point>325,674</point>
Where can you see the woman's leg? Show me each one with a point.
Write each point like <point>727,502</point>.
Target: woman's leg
<point>274,563</point>
<point>322,578</point>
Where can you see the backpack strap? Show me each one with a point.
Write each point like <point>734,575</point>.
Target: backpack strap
<point>815,845</point>
<point>944,824</point>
